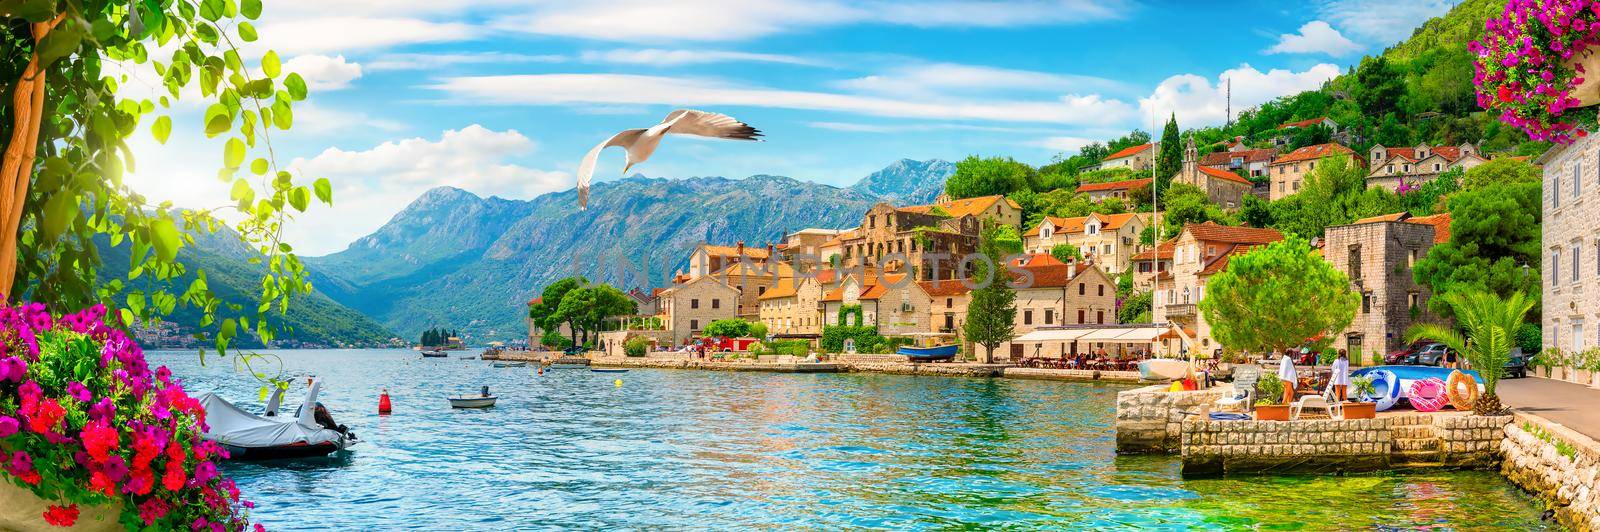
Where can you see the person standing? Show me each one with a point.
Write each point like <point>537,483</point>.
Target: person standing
<point>1341,375</point>
<point>1287,374</point>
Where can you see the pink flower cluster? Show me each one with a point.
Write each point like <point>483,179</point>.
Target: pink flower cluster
<point>1525,64</point>
<point>84,419</point>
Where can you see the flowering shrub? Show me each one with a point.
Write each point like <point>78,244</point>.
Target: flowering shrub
<point>1524,69</point>
<point>84,420</point>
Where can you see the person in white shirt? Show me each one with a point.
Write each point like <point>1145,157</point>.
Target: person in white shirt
<point>1287,374</point>
<point>1341,375</point>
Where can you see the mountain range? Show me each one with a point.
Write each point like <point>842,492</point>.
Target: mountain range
<point>454,259</point>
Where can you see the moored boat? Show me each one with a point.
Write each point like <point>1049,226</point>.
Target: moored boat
<point>569,362</point>
<point>510,364</point>
<point>248,436</point>
<point>435,354</point>
<point>609,370</point>
<point>1163,369</point>
<point>929,354</point>
<point>482,400</point>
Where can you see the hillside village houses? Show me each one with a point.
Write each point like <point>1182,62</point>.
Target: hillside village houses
<point>1282,139</point>
<point>1149,263</point>
<point>1223,187</point>
<point>1199,251</point>
<point>1110,240</point>
<point>926,241</point>
<point>1288,173</point>
<point>1377,254</point>
<point>1418,164</point>
<point>1239,158</point>
<point>1098,192</point>
<point>1140,157</point>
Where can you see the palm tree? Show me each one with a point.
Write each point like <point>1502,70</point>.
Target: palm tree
<point>1488,331</point>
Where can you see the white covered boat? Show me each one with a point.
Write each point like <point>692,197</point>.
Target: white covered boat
<point>251,437</point>
<point>1163,369</point>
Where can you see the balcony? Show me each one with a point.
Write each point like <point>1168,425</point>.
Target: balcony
<point>1183,310</point>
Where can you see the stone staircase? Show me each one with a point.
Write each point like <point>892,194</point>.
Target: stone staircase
<point>1413,442</point>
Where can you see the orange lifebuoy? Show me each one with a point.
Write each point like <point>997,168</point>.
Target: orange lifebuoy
<point>1462,389</point>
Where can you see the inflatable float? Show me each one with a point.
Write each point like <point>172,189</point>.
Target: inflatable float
<point>1427,395</point>
<point>1385,388</point>
<point>1462,390</point>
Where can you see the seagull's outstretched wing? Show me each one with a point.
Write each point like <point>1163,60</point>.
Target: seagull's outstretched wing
<point>704,124</point>
<point>624,139</point>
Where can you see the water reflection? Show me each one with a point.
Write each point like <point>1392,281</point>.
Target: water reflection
<point>685,449</point>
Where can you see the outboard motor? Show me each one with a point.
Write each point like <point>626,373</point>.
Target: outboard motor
<point>485,390</point>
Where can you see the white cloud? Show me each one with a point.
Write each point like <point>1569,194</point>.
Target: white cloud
<point>1064,144</point>
<point>617,89</point>
<point>371,185</point>
<point>316,120</point>
<point>935,78</point>
<point>733,20</point>
<point>346,34</point>
<point>1314,37</point>
<point>322,72</point>
<point>1381,22</point>
<point>661,57</point>
<point>435,61</point>
<point>1197,102</point>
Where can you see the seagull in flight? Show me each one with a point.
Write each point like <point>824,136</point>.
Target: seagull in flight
<point>640,143</point>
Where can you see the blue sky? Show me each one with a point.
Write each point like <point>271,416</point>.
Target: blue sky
<point>504,97</point>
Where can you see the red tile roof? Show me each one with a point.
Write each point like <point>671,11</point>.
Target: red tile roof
<point>1221,263</point>
<point>1214,232</point>
<point>733,251</point>
<point>1037,260</point>
<point>1161,252</point>
<point>1440,223</point>
<point>1314,152</point>
<point>1223,158</point>
<point>1223,175</point>
<point>1063,225</point>
<point>1303,123</point>
<point>1115,221</point>
<point>1054,276</point>
<point>946,288</point>
<point>1129,184</point>
<point>962,207</point>
<point>1128,151</point>
<point>1399,216</point>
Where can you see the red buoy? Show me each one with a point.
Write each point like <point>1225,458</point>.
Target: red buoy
<point>383,402</point>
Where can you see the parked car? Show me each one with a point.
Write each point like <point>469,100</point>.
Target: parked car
<point>1517,366</point>
<point>1427,354</point>
<point>1399,356</point>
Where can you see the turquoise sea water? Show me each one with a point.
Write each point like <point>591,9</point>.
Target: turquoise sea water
<point>719,450</point>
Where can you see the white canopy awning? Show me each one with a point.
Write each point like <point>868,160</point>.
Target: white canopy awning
<point>1095,334</point>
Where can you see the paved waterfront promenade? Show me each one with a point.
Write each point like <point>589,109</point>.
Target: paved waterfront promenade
<point>1574,405</point>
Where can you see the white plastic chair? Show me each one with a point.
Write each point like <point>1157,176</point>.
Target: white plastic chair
<point>1334,410</point>
<point>1244,387</point>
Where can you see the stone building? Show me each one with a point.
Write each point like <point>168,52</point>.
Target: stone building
<point>1288,173</point>
<point>809,243</point>
<point>1050,292</point>
<point>1223,187</point>
<point>947,305</point>
<point>751,280</point>
<point>1110,240</point>
<point>793,307</point>
<point>1571,243</point>
<point>707,259</point>
<point>996,208</point>
<point>1098,192</point>
<point>687,308</point>
<point>1240,159</point>
<point>1149,263</point>
<point>1418,164</point>
<point>1140,157</point>
<point>928,244</point>
<point>1199,252</point>
<point>1377,254</point>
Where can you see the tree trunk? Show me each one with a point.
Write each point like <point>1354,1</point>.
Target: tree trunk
<point>27,105</point>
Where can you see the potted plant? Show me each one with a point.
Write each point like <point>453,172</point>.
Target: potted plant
<point>1269,393</point>
<point>1536,63</point>
<point>1580,363</point>
<point>97,438</point>
<point>1365,407</point>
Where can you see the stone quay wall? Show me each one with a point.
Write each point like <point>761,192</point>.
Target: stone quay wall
<point>1072,374</point>
<point>1150,419</point>
<point>939,370</point>
<point>1556,464</point>
<point>1342,445</point>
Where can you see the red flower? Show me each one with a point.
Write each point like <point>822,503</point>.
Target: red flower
<point>100,483</point>
<point>174,478</point>
<point>99,439</point>
<point>45,420</point>
<point>1582,133</point>
<point>1504,94</point>
<point>31,477</point>
<point>61,515</point>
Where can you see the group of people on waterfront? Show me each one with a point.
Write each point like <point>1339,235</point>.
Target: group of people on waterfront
<point>1338,381</point>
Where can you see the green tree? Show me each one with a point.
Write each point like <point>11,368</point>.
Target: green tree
<point>1312,135</point>
<point>1005,238</point>
<point>1489,325</point>
<point>545,315</point>
<point>1493,246</point>
<point>1331,197</point>
<point>1186,204</point>
<point>986,176</point>
<point>1136,309</point>
<point>66,131</point>
<point>1065,252</point>
<point>1255,212</point>
<point>1378,87</point>
<point>1169,160</point>
<point>992,311</point>
<point>728,328</point>
<point>1276,297</point>
<point>1500,170</point>
<point>588,309</point>
<point>758,330</point>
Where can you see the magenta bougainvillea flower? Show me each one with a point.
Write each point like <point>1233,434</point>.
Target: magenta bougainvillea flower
<point>84,420</point>
<point>1526,64</point>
